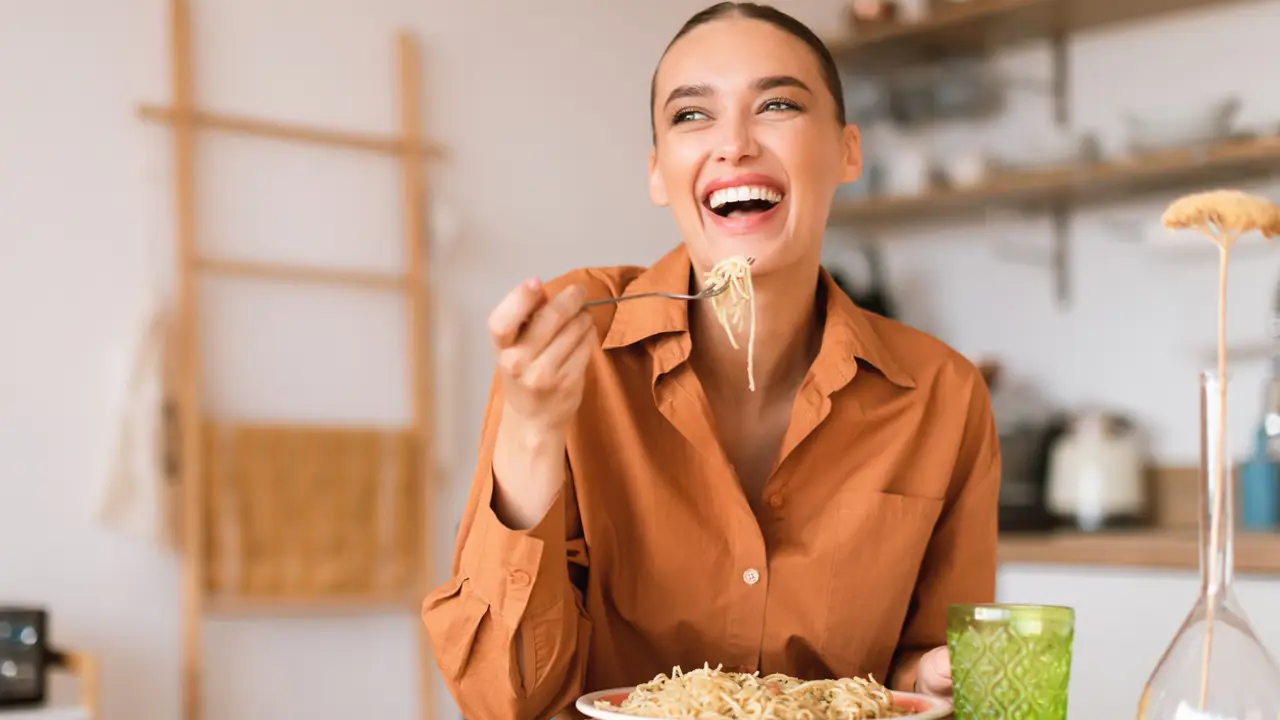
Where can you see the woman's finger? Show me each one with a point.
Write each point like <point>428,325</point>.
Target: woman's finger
<point>514,360</point>
<point>507,319</point>
<point>574,365</point>
<point>544,371</point>
<point>550,318</point>
<point>934,673</point>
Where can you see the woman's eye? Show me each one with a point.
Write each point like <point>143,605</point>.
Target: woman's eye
<point>686,115</point>
<point>778,104</point>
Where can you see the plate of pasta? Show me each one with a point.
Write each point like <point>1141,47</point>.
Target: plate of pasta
<point>707,693</point>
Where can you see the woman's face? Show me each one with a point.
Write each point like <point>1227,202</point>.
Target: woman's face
<point>749,150</point>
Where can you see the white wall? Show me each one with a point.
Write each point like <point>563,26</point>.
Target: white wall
<point>541,106</point>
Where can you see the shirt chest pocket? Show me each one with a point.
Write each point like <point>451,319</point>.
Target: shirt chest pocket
<point>879,544</point>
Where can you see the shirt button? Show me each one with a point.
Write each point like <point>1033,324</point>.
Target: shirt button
<point>519,578</point>
<point>751,576</point>
<point>776,501</point>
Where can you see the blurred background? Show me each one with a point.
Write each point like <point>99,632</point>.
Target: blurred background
<point>1019,154</point>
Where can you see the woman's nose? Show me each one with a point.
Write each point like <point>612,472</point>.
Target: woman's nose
<point>737,141</point>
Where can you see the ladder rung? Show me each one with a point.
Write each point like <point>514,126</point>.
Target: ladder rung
<point>285,131</point>
<point>298,273</point>
<point>233,606</point>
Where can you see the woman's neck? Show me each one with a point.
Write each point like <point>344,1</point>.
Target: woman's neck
<point>788,333</point>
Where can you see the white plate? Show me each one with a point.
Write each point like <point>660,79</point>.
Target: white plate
<point>925,707</point>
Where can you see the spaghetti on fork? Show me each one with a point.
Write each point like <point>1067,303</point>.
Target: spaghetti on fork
<point>736,302</point>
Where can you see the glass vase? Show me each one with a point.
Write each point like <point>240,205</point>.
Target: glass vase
<point>1215,668</point>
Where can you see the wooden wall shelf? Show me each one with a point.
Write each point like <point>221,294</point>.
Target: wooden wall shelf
<point>1111,180</point>
<point>1256,553</point>
<point>979,26</point>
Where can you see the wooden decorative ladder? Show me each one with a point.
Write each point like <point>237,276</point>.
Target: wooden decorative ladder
<point>297,517</point>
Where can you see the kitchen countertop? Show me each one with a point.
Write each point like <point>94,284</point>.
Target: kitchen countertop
<point>1255,552</point>
<point>47,713</point>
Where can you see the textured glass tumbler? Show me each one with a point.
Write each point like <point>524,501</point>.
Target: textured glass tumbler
<point>1010,662</point>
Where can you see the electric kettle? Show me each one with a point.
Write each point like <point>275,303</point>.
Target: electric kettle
<point>1097,475</point>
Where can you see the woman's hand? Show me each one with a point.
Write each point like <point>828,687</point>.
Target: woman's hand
<point>543,348</point>
<point>933,674</point>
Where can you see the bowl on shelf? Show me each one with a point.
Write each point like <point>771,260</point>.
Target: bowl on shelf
<point>966,169</point>
<point>1050,150</point>
<point>1152,131</point>
<point>967,88</point>
<point>871,11</point>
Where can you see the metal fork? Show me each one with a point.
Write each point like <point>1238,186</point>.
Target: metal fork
<point>709,291</point>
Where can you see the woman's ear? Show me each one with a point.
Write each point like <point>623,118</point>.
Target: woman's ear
<point>852,140</point>
<point>657,187</point>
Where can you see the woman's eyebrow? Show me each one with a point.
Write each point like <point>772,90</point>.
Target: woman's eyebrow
<point>777,81</point>
<point>769,82</point>
<point>689,91</point>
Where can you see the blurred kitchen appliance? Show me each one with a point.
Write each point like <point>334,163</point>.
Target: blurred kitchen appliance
<point>1028,428</point>
<point>875,296</point>
<point>24,656</point>
<point>1097,476</point>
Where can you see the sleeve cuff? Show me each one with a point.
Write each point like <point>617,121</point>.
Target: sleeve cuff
<point>504,564</point>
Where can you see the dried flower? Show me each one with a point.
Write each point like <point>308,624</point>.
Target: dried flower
<point>1223,215</point>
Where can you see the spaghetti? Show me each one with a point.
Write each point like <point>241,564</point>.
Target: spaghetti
<point>707,694</point>
<point>731,305</point>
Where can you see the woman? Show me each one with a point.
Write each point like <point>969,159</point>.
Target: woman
<point>638,506</point>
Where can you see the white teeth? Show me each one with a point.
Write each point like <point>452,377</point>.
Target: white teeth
<point>742,194</point>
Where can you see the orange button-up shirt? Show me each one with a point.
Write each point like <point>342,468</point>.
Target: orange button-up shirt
<point>880,512</point>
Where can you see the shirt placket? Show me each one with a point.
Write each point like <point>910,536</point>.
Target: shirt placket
<point>745,578</point>
<point>748,579</point>
<point>812,406</point>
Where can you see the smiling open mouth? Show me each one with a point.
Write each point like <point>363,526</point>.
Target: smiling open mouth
<point>744,201</point>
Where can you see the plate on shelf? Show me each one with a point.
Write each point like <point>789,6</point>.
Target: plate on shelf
<point>922,707</point>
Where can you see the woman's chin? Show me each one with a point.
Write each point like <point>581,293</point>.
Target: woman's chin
<point>769,251</point>
<point>754,234</point>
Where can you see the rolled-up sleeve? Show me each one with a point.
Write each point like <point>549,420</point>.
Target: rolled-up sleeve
<point>960,564</point>
<point>507,629</point>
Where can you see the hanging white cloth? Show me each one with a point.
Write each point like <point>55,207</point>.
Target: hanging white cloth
<point>137,497</point>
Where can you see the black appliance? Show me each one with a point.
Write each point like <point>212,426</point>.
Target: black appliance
<point>875,296</point>
<point>1024,473</point>
<point>24,656</point>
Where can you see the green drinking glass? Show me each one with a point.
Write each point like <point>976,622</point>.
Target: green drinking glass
<point>1010,662</point>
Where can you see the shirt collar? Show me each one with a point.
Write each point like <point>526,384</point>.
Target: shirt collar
<point>637,320</point>
<point>848,335</point>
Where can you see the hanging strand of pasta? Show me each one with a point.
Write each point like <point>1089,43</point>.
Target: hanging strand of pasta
<point>731,305</point>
